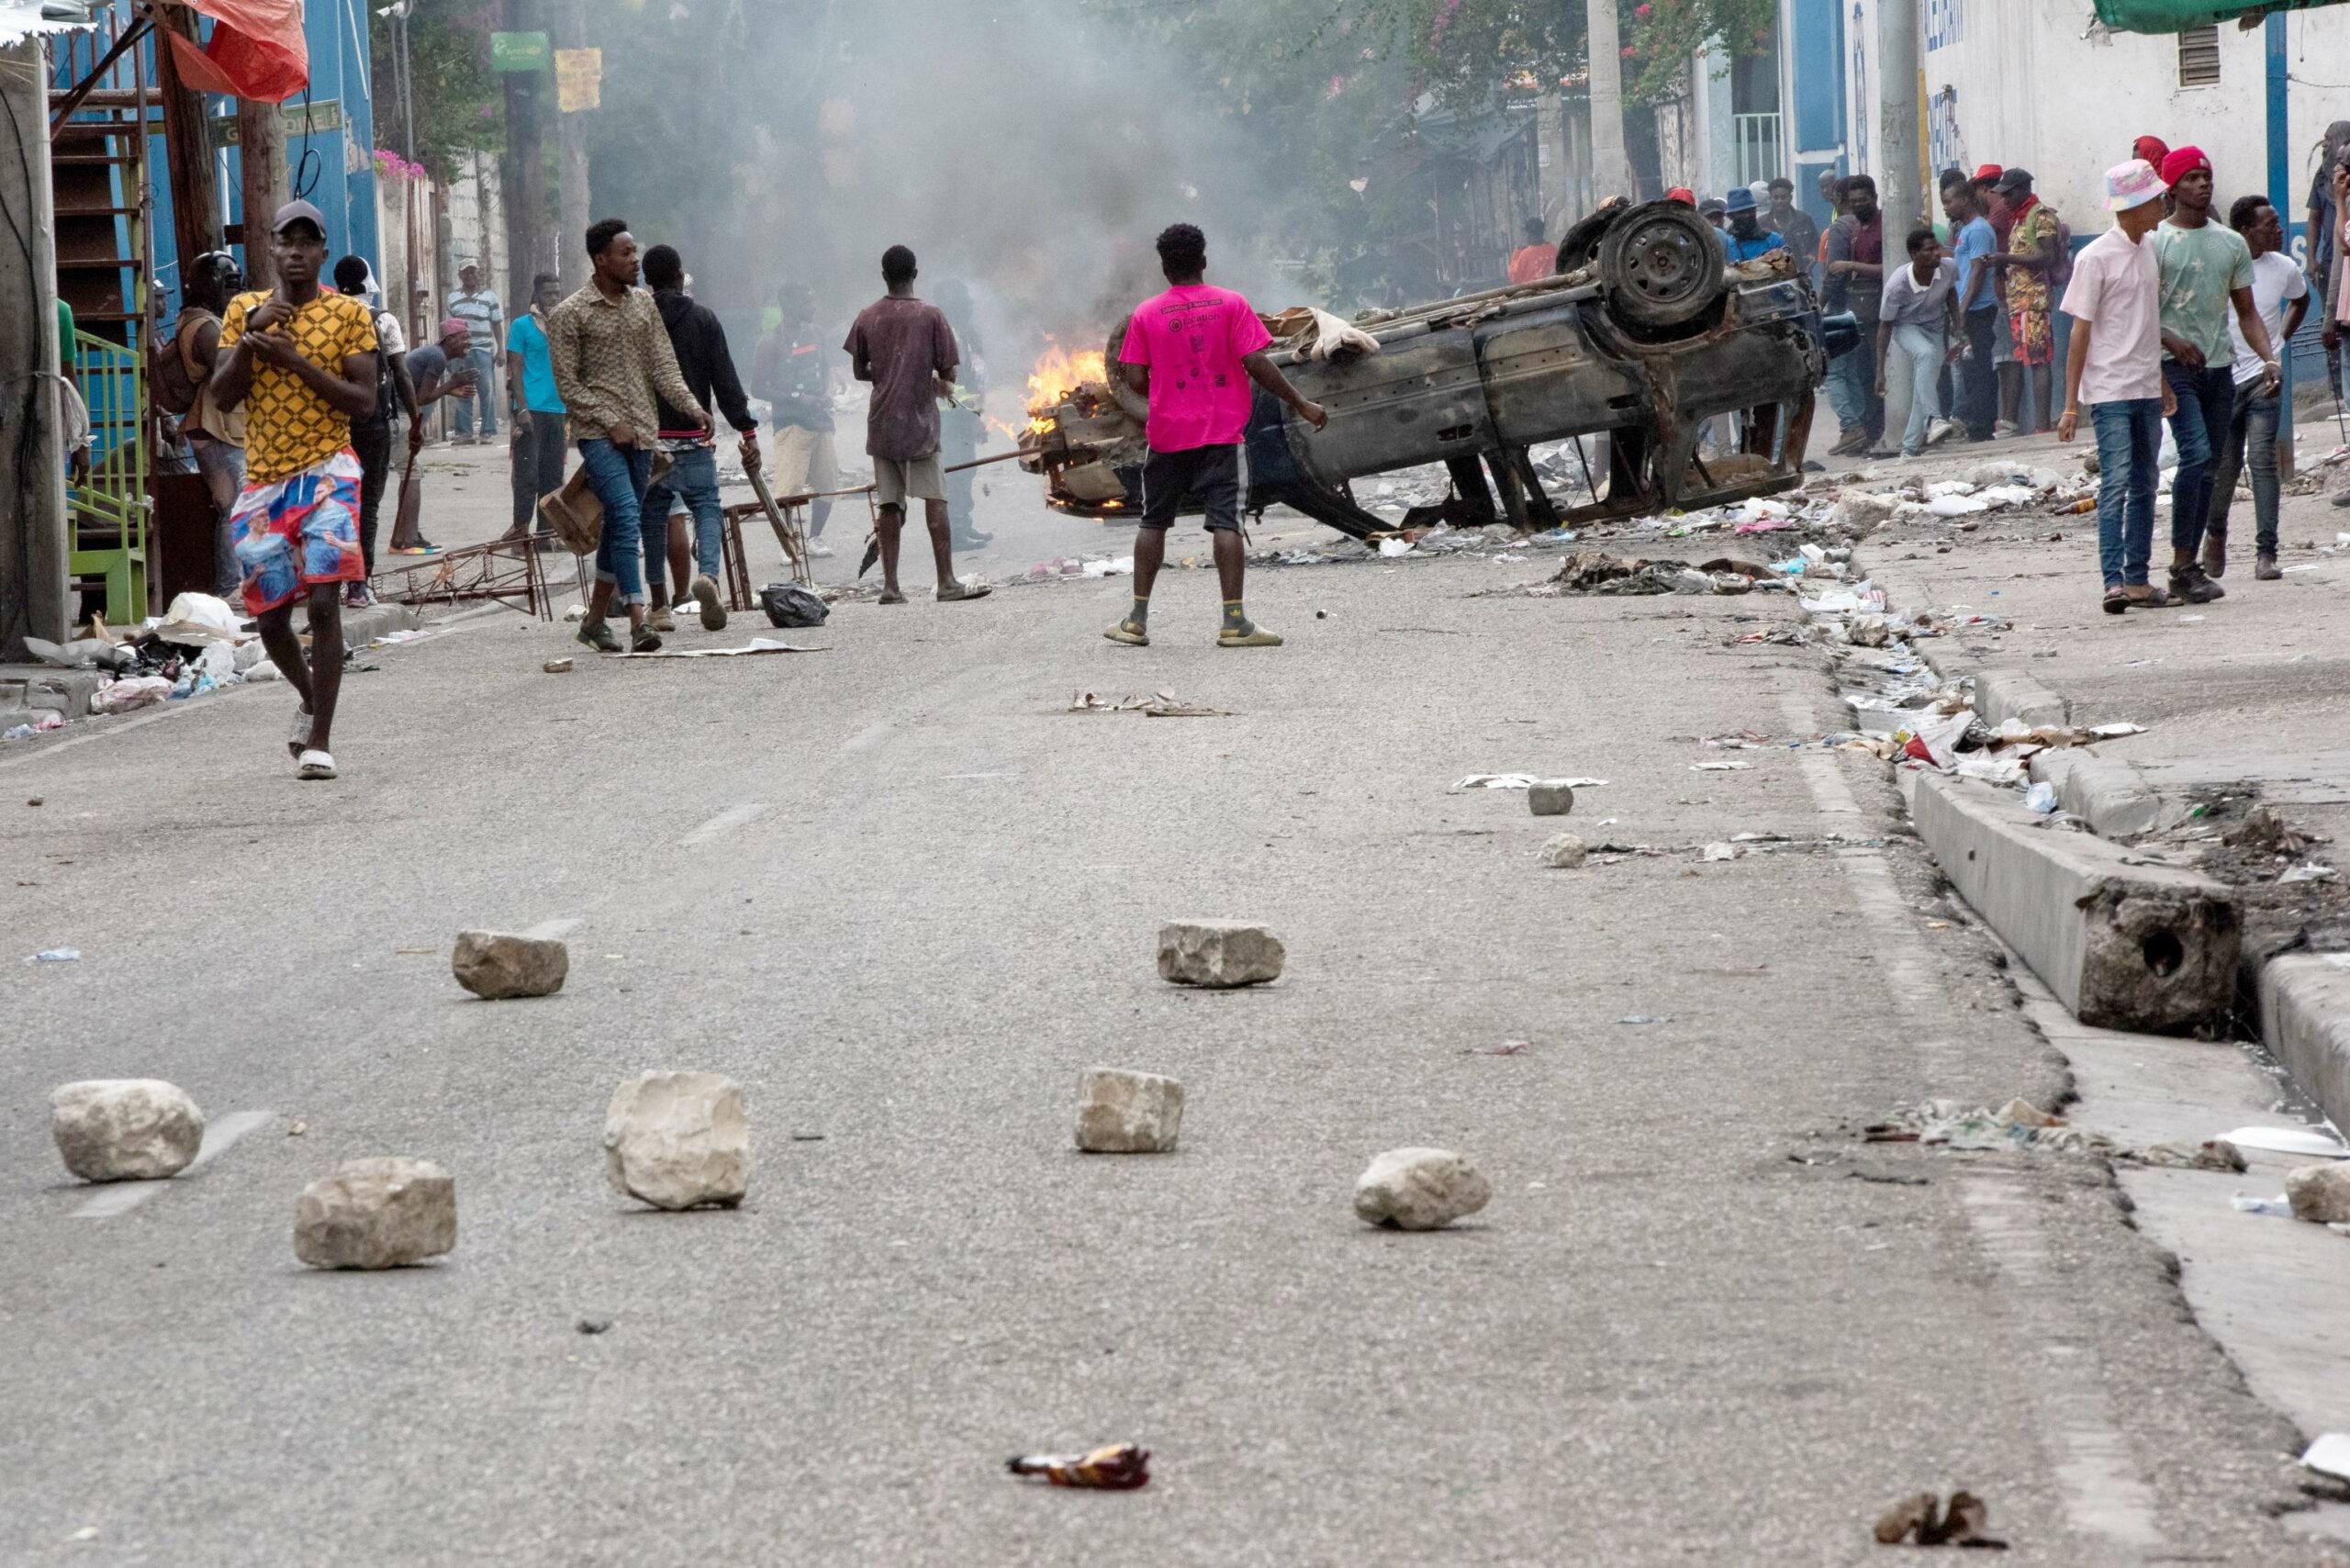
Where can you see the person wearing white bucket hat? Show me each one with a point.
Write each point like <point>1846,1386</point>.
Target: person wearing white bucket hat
<point>2114,365</point>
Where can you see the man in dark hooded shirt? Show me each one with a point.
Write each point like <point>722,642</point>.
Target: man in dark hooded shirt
<point>709,368</point>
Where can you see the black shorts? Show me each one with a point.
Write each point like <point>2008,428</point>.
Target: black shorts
<point>1209,475</point>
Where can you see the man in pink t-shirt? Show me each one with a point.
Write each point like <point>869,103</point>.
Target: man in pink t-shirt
<point>1194,351</point>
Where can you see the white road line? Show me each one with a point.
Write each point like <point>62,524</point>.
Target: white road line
<point>2102,1493</point>
<point>872,735</point>
<point>548,930</point>
<point>121,1197</point>
<point>726,820</point>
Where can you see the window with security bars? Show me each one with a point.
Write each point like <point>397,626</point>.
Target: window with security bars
<point>2198,56</point>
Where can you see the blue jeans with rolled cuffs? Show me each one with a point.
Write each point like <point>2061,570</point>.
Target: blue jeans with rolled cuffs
<point>619,474</point>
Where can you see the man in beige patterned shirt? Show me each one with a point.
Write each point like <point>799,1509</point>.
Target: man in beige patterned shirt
<point>611,354</point>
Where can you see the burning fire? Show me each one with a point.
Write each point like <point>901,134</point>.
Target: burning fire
<point>1058,374</point>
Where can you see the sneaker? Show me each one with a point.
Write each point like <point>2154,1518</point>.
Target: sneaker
<point>950,593</point>
<point>1255,637</point>
<point>819,550</point>
<point>2266,569</point>
<point>1129,634</point>
<point>705,594</point>
<point>2215,553</point>
<point>660,619</point>
<point>971,540</point>
<point>1938,431</point>
<point>356,597</point>
<point>1851,443</point>
<point>644,640</point>
<point>2189,584</point>
<point>599,635</point>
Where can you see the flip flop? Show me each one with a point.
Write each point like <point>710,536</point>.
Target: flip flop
<point>315,765</point>
<point>962,591</point>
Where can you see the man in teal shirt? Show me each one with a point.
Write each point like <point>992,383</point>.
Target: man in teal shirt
<point>537,411</point>
<point>2206,270</point>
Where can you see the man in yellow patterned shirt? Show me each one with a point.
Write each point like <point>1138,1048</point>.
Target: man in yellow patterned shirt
<point>302,364</point>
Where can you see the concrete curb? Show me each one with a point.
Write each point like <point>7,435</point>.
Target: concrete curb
<point>360,627</point>
<point>2123,944</point>
<point>2305,1021</point>
<point>2103,792</point>
<point>2004,694</point>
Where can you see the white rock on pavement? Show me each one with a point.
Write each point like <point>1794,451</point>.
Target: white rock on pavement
<point>124,1129</point>
<point>1564,852</point>
<point>496,965</point>
<point>1550,798</point>
<point>1222,953</point>
<point>1419,1189</point>
<point>2319,1193</point>
<point>678,1140</point>
<point>376,1214</point>
<point>1127,1112</point>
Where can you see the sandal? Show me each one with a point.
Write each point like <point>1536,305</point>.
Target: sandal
<point>298,740</point>
<point>949,593</point>
<point>2145,596</point>
<point>2117,600</point>
<point>314,764</point>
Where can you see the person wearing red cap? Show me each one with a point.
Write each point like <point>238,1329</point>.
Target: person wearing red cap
<point>1682,195</point>
<point>2206,272</point>
<point>2152,148</point>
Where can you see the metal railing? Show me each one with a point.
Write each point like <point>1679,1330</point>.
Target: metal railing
<point>109,498</point>
<point>1758,150</point>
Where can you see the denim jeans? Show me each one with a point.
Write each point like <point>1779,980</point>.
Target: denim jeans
<point>373,442</point>
<point>486,392</point>
<point>1852,388</point>
<point>1914,367</point>
<point>2207,402</point>
<point>2250,441</point>
<point>619,475</point>
<point>693,478</point>
<point>1978,377</point>
<point>2129,450</point>
<point>538,467</point>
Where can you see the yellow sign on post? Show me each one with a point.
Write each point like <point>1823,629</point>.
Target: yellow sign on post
<point>578,79</point>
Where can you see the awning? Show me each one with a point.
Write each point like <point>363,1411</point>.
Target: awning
<point>2174,16</point>
<point>257,50</point>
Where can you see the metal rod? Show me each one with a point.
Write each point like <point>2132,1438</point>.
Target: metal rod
<point>81,90</point>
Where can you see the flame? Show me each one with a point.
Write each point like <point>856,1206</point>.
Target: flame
<point>1059,373</point>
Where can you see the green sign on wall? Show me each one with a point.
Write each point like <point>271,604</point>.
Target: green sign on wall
<point>520,52</point>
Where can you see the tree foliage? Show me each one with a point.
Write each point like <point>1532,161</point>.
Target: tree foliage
<point>458,102</point>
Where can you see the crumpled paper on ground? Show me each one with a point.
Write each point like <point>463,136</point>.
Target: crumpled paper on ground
<point>2022,1126</point>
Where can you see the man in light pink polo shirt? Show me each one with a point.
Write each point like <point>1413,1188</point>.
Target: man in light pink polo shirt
<point>2115,365</point>
<point>1193,350</point>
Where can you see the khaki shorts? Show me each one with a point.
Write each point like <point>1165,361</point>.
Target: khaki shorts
<point>919,477</point>
<point>804,463</point>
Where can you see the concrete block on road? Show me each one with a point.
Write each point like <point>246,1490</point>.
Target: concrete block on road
<point>499,965</point>
<point>2104,792</point>
<point>1127,1112</point>
<point>2004,694</point>
<point>1564,852</point>
<point>376,1214</point>
<point>678,1140</point>
<point>2305,1022</point>
<point>124,1129</point>
<point>1550,798</point>
<point>1419,1189</point>
<point>1219,952</point>
<point>2123,944</point>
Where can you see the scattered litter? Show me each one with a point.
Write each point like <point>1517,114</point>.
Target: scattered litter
<point>2277,1207</point>
<point>1522,782</point>
<point>755,645</point>
<point>2305,1141</point>
<point>593,1325</point>
<point>1391,548</point>
<point>296,1129</point>
<point>2308,871</point>
<point>2019,1125</point>
<point>2041,798</point>
<point>57,955</point>
<point>137,692</point>
<point>87,1532</point>
<point>2329,1453</point>
<point>576,613</point>
<point>1719,767</point>
<point>1121,1467</point>
<point>1924,1518</point>
<point>1506,1048</point>
<point>1158,705</point>
<point>1723,852</point>
<point>2115,730</point>
<point>1636,1019</point>
<point>557,667</point>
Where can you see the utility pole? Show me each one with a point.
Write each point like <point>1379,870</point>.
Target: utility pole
<point>1611,173</point>
<point>195,201</point>
<point>522,178</point>
<point>1901,187</point>
<point>260,161</point>
<point>34,592</point>
<point>571,186</point>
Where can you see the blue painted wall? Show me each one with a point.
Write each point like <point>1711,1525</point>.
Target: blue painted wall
<point>1815,31</point>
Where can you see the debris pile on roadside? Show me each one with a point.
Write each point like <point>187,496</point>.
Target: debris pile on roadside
<point>200,645</point>
<point>2020,1126</point>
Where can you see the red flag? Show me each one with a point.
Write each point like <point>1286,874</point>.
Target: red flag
<point>257,50</point>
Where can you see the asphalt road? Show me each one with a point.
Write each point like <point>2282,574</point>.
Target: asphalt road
<point>904,897</point>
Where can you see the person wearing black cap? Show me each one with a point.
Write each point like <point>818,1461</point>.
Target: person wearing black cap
<point>2033,261</point>
<point>301,361</point>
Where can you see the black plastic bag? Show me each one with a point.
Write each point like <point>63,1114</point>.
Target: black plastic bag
<point>789,604</point>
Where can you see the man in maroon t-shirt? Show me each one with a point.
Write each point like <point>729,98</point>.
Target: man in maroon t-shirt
<point>1193,350</point>
<point>907,350</point>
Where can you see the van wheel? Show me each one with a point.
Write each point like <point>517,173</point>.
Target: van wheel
<point>1662,265</point>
